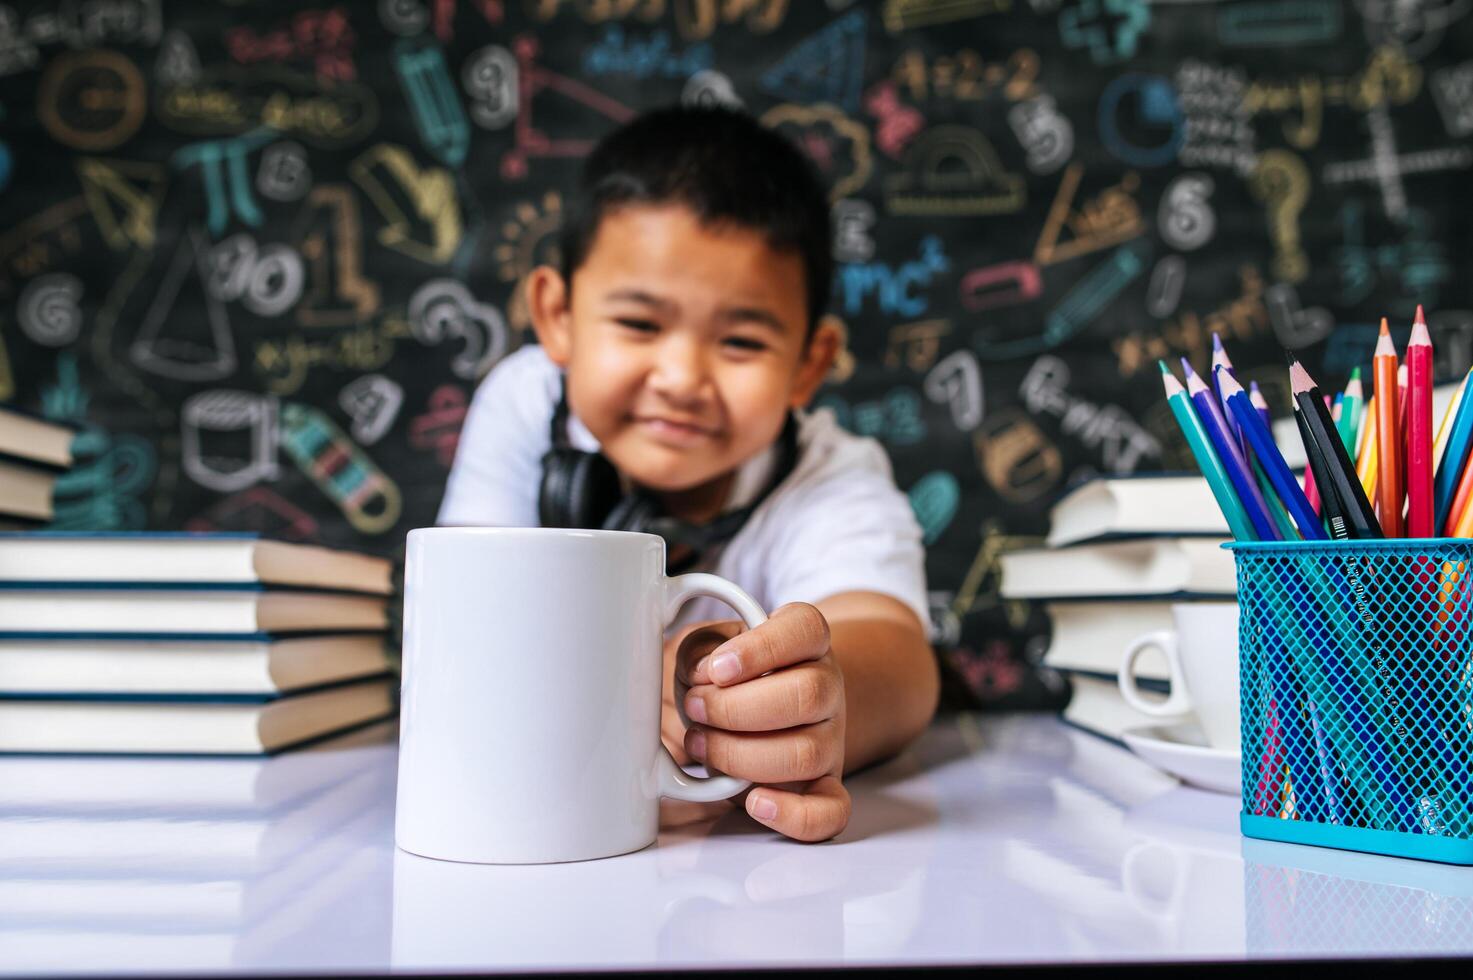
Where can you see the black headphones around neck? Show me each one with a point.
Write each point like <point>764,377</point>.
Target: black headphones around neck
<point>582,489</point>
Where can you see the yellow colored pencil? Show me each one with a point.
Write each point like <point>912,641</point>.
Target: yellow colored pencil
<point>1365,458</point>
<point>1445,427</point>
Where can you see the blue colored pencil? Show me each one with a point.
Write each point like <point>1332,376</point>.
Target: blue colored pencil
<point>1454,457</point>
<point>1262,441</point>
<point>1255,395</point>
<point>1231,455</point>
<point>1275,506</point>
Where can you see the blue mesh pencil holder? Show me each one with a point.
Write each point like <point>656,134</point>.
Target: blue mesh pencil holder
<point>1356,665</point>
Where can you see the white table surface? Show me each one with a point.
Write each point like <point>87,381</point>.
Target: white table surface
<point>993,840</point>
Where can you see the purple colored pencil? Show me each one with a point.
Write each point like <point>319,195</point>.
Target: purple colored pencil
<point>1233,460</point>
<point>1220,359</point>
<point>1249,492</point>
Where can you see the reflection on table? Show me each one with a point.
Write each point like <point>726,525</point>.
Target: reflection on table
<point>994,839</point>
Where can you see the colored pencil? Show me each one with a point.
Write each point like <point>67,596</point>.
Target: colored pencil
<point>1249,494</point>
<point>1275,507</point>
<point>1365,458</point>
<point>1255,395</point>
<point>1207,461</point>
<point>1337,476</point>
<point>1388,448</point>
<point>1444,430</point>
<point>1350,412</point>
<point>1460,516</point>
<point>1420,508</point>
<point>1262,441</point>
<point>1456,440</point>
<point>1220,358</point>
<point>1225,442</point>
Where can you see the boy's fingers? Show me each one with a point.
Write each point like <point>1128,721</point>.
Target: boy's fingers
<point>697,644</point>
<point>800,695</point>
<point>821,812</point>
<point>794,633</point>
<point>793,755</point>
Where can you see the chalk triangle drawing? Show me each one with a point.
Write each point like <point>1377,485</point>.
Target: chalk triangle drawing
<point>576,98</point>
<point>123,197</point>
<point>828,66</point>
<point>177,342</point>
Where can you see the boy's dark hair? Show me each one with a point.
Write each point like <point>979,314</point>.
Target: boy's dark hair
<point>722,164</point>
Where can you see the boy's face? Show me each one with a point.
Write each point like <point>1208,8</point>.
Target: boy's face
<point>683,344</point>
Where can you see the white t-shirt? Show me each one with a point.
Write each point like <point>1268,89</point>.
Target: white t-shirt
<point>837,523</point>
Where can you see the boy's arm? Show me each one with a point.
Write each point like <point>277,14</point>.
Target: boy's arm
<point>891,682</point>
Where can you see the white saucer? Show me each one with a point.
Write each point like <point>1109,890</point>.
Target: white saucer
<point>1182,751</point>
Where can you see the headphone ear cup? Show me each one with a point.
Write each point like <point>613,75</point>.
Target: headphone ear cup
<point>578,489</point>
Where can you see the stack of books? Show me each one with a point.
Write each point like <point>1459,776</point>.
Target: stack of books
<point>181,642</point>
<point>1119,552</point>
<point>33,453</point>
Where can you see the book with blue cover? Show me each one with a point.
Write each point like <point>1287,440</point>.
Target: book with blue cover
<point>186,557</point>
<point>146,611</point>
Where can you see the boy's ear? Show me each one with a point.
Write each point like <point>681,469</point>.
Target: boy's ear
<point>550,304</point>
<point>823,347</point>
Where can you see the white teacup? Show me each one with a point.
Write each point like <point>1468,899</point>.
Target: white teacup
<point>1202,657</point>
<point>530,720</point>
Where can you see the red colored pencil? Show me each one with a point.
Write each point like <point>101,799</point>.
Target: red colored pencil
<point>1420,510</point>
<point>1388,430</point>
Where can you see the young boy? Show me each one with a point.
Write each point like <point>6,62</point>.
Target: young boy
<point>685,327</point>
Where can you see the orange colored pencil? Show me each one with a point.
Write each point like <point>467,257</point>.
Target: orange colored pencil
<point>1419,432</point>
<point>1460,509</point>
<point>1464,526</point>
<point>1389,488</point>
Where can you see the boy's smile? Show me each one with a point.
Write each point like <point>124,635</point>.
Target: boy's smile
<point>684,348</point>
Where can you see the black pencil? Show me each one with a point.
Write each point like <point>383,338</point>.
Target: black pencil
<point>1340,476</point>
<point>1332,510</point>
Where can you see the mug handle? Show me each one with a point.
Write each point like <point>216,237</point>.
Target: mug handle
<point>675,782</point>
<point>1179,702</point>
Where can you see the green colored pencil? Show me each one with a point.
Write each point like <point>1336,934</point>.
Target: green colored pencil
<point>1351,410</point>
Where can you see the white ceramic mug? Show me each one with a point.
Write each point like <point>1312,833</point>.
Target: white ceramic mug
<point>1202,657</point>
<point>530,717</point>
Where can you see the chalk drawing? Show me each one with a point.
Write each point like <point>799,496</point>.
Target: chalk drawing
<point>50,310</point>
<point>372,402</point>
<point>185,348</point>
<point>444,309</point>
<point>228,439</point>
<point>957,383</point>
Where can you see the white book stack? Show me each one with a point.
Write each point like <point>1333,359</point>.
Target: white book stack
<point>1120,552</point>
<point>186,643</point>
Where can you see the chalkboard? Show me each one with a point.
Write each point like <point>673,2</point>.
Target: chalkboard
<point>263,252</point>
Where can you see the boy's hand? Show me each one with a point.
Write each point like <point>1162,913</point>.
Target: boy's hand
<point>767,704</point>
